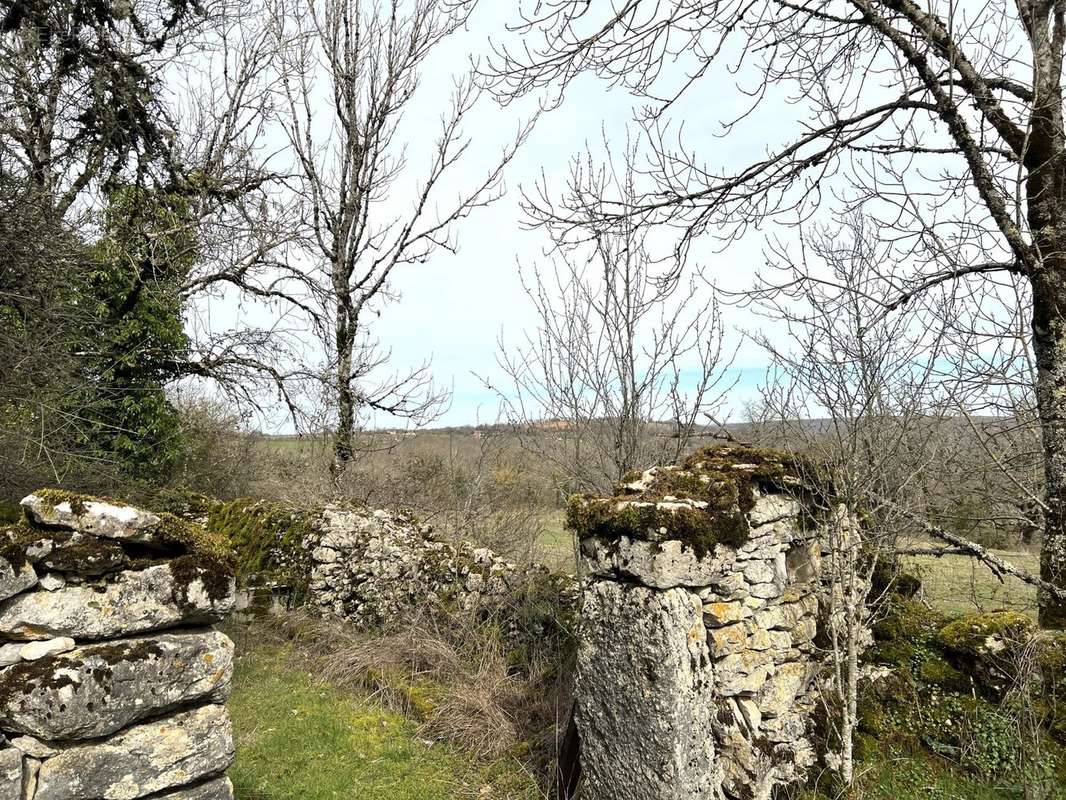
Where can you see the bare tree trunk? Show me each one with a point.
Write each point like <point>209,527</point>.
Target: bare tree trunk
<point>343,446</point>
<point>1049,345</point>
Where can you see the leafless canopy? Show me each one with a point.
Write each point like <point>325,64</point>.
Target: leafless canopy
<point>942,121</point>
<point>627,360</point>
<point>351,69</point>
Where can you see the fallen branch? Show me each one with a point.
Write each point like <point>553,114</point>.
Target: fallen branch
<point>935,552</point>
<point>997,565</point>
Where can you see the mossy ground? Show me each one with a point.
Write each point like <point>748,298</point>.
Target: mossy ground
<point>893,773</point>
<point>297,738</point>
<point>943,713</point>
<point>10,513</point>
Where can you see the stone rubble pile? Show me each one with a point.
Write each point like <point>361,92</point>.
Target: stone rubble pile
<point>696,660</point>
<point>112,682</point>
<point>371,568</point>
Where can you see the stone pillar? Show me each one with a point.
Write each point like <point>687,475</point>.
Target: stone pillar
<point>696,658</point>
<point>112,682</point>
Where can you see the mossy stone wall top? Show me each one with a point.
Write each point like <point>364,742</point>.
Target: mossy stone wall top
<point>703,501</point>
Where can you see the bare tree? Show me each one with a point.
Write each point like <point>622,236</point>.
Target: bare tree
<point>628,356</point>
<point>222,103</point>
<point>351,71</point>
<point>944,121</point>
<point>862,401</point>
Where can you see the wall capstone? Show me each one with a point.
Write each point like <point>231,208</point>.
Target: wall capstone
<point>696,660</point>
<point>112,682</point>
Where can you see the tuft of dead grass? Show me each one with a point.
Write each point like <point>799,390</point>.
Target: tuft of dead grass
<point>454,677</point>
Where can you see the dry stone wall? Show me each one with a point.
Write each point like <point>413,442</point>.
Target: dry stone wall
<point>372,568</point>
<point>696,656</point>
<point>112,680</point>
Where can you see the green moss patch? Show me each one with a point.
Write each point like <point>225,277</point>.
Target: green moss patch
<point>78,502</point>
<point>975,636</point>
<point>908,621</point>
<point>265,536</point>
<point>702,502</point>
<point>88,558</point>
<point>183,537</point>
<point>16,540</point>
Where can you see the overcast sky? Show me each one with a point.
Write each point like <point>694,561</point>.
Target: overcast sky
<point>454,309</point>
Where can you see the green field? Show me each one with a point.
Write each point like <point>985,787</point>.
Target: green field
<point>299,738</point>
<point>958,584</point>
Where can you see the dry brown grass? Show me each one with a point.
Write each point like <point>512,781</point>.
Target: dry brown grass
<point>453,678</point>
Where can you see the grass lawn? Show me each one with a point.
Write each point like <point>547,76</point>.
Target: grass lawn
<point>555,545</point>
<point>299,739</point>
<point>957,584</point>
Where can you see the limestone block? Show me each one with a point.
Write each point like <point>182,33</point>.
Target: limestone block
<point>785,728</point>
<point>661,565</point>
<point>143,760</point>
<point>743,673</point>
<point>48,647</point>
<point>780,692</point>
<point>759,572</point>
<point>719,613</point>
<point>644,707</point>
<point>151,599</point>
<point>31,768</point>
<point>32,747</point>
<point>110,520</point>
<point>10,774</point>
<point>103,688</point>
<point>728,640</point>
<point>766,591</point>
<point>771,508</point>
<point>87,557</point>
<point>11,653</point>
<point>15,579</point>
<point>52,582</point>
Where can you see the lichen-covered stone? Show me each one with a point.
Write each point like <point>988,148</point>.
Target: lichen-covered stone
<point>158,597</point>
<point>87,515</point>
<point>143,760</point>
<point>88,557</point>
<point>10,774</point>
<point>374,567</point>
<point>983,635</point>
<point>15,578</point>
<point>789,681</point>
<point>718,495</point>
<point>663,565</point>
<point>720,559</point>
<point>11,653</point>
<point>33,747</point>
<point>217,789</point>
<point>988,646</point>
<point>644,706</point>
<point>51,582</point>
<point>102,688</point>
